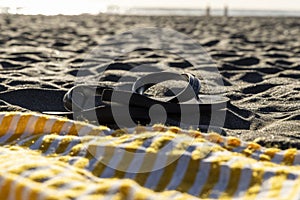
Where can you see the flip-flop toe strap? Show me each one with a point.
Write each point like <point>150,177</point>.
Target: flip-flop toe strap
<point>189,92</point>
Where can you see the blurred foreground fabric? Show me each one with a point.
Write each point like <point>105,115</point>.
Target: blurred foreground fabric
<point>45,157</point>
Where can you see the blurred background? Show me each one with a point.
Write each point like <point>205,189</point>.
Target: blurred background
<point>154,7</point>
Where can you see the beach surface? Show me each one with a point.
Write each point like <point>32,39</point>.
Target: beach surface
<point>257,57</point>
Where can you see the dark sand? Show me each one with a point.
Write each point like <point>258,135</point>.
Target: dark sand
<point>258,58</point>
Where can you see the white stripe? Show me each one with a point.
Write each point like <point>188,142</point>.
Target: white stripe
<point>223,179</point>
<point>255,155</point>
<point>149,128</point>
<point>73,143</point>
<point>11,130</point>
<point>90,190</point>
<point>108,131</point>
<point>1,118</point>
<point>135,129</point>
<point>83,151</point>
<point>118,156</point>
<point>244,181</point>
<point>135,165</point>
<point>130,130</point>
<point>238,149</point>
<point>288,185</point>
<point>70,185</point>
<point>297,158</point>
<point>12,189</point>
<point>201,177</point>
<point>278,157</point>
<point>26,192</point>
<point>42,195</point>
<point>112,191</point>
<point>160,164</point>
<point>85,130</point>
<point>63,172</point>
<point>98,155</point>
<point>21,142</point>
<point>180,171</point>
<point>66,128</point>
<point>266,185</point>
<point>36,145</point>
<point>27,173</point>
<point>30,126</point>
<point>73,160</point>
<point>203,172</point>
<point>156,173</point>
<point>176,195</point>
<point>2,181</point>
<point>92,164</point>
<point>49,125</point>
<point>242,145</point>
<point>113,163</point>
<point>185,132</point>
<point>132,191</point>
<point>53,146</point>
<point>9,165</point>
<point>97,158</point>
<point>139,157</point>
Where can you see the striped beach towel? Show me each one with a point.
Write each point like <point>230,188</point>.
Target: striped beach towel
<point>46,157</point>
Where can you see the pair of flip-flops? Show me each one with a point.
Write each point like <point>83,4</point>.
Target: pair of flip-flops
<point>119,108</point>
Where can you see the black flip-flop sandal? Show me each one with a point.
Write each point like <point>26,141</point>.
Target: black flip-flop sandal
<point>105,105</point>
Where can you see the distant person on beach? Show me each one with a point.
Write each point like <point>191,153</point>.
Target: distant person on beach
<point>208,11</point>
<point>225,11</point>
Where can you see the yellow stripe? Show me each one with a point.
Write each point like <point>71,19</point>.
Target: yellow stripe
<point>295,190</point>
<point>168,173</point>
<point>289,157</point>
<point>75,150</point>
<point>233,142</point>
<point>22,124</point>
<point>233,183</point>
<point>276,184</point>
<point>214,174</point>
<point>255,183</point>
<point>57,126</point>
<point>47,141</point>
<point>215,138</point>
<point>102,162</point>
<point>81,162</point>
<point>148,163</point>
<point>270,153</point>
<point>6,121</point>
<point>33,194</point>
<point>14,135</point>
<point>190,176</point>
<point>161,142</point>
<point>5,187</point>
<point>127,158</point>
<point>151,156</point>
<point>74,129</point>
<point>18,191</point>
<point>64,143</point>
<point>39,125</point>
<point>32,140</point>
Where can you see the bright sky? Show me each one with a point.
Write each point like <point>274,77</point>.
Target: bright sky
<point>236,4</point>
<point>94,6</point>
